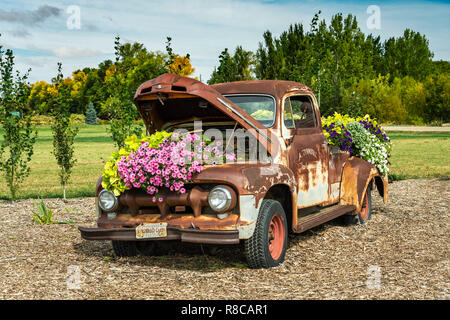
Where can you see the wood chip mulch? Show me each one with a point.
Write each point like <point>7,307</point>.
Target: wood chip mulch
<point>402,253</point>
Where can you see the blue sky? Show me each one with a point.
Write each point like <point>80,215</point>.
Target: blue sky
<point>37,30</point>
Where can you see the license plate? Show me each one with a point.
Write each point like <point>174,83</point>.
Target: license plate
<point>151,230</point>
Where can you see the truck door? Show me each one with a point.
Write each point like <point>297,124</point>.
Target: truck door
<point>307,150</point>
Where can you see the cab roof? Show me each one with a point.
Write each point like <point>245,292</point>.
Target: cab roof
<point>276,88</point>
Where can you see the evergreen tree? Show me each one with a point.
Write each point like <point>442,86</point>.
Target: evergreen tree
<point>91,115</point>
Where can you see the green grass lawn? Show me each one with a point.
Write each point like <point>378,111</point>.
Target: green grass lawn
<point>92,149</point>
<point>415,155</point>
<point>420,154</point>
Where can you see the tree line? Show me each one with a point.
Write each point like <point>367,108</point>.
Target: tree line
<point>350,72</point>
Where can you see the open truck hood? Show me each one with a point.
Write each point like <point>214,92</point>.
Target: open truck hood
<point>170,87</point>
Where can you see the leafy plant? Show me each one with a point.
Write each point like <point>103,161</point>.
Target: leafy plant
<point>42,214</point>
<point>18,133</point>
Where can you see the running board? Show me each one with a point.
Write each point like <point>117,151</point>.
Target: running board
<point>324,215</point>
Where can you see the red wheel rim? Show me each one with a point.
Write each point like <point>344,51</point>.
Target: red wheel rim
<point>276,236</point>
<point>365,208</point>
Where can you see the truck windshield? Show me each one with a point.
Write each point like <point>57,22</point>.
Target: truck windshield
<point>262,108</point>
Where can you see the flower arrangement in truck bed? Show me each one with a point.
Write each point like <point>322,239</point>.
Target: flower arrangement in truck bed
<point>161,160</point>
<point>362,137</point>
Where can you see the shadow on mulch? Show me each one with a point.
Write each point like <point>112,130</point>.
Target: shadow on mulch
<point>172,254</point>
<point>186,256</point>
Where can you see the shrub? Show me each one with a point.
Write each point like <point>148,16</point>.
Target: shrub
<point>39,120</point>
<point>77,119</point>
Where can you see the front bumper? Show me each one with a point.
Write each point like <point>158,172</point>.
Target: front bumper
<point>173,233</point>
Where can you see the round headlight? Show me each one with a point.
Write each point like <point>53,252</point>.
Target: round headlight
<point>220,199</point>
<point>107,200</point>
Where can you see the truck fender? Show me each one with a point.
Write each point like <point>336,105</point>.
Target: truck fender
<point>357,174</point>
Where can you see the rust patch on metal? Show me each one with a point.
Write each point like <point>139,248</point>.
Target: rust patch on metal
<point>196,198</point>
<point>356,176</point>
<point>184,221</point>
<point>248,178</point>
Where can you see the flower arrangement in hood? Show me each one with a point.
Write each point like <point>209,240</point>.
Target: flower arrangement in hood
<point>162,160</point>
<point>362,137</point>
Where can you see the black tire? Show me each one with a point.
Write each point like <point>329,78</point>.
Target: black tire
<point>257,247</point>
<point>125,248</point>
<point>361,218</point>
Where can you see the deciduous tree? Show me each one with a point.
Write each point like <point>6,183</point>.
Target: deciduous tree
<point>17,133</point>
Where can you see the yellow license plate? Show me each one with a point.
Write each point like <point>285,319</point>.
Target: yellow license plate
<point>151,230</point>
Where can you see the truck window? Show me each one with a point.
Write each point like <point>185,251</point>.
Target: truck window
<point>260,107</point>
<point>303,112</point>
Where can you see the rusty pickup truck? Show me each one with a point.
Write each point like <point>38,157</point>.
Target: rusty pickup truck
<point>300,181</point>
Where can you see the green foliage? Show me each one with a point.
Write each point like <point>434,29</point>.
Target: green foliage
<point>328,58</point>
<point>377,98</point>
<point>42,214</point>
<point>438,98</point>
<point>408,55</point>
<point>134,65</point>
<point>18,133</point>
<point>63,132</point>
<point>77,119</point>
<point>91,115</point>
<point>233,68</point>
<point>38,119</point>
<point>403,100</point>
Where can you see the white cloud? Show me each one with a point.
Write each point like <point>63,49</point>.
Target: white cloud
<point>75,52</point>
